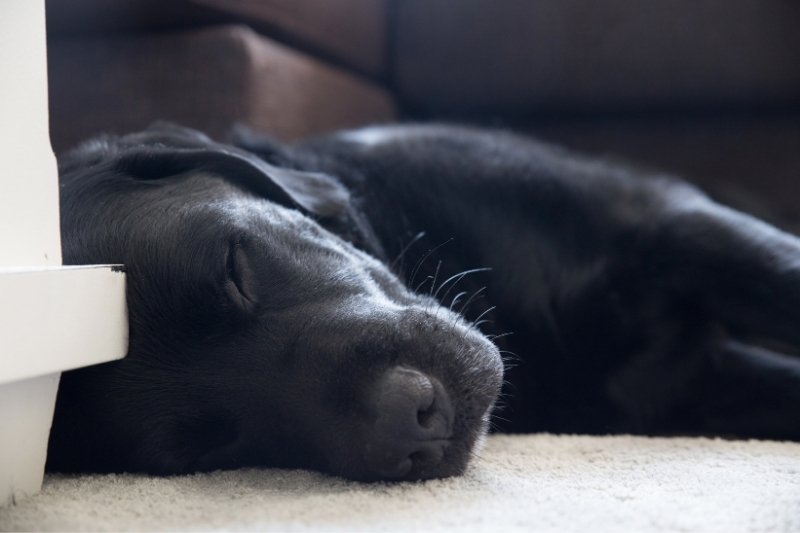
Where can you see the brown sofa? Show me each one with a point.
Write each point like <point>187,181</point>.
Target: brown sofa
<point>117,66</point>
<point>706,89</point>
<point>709,90</point>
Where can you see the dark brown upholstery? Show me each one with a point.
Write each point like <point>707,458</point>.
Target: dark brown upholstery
<point>709,90</point>
<point>206,78</point>
<point>522,55</point>
<point>350,33</point>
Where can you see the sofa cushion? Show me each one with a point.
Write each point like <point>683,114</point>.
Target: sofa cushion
<point>350,33</point>
<point>204,78</point>
<point>518,55</point>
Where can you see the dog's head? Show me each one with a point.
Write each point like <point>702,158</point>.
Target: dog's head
<point>257,337</point>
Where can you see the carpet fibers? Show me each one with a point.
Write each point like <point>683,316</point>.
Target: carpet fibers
<point>520,483</point>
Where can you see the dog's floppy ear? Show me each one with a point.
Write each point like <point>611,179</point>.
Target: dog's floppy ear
<point>317,193</point>
<point>255,142</point>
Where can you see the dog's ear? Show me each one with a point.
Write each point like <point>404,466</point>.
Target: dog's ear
<point>170,152</point>
<point>256,142</point>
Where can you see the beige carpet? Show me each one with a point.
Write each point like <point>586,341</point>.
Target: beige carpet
<point>520,483</point>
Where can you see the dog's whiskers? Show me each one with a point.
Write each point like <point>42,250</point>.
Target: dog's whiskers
<point>470,299</point>
<point>457,277</point>
<point>510,359</point>
<point>478,319</point>
<point>424,257</point>
<point>435,276</point>
<point>479,323</point>
<point>495,416</point>
<point>456,298</point>
<point>402,254</point>
<point>426,280</point>
<point>499,336</point>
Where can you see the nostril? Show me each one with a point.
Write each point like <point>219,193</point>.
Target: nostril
<point>424,416</point>
<point>413,422</point>
<point>437,415</point>
<point>412,404</point>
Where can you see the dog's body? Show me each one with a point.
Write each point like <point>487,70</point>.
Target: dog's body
<point>268,327</point>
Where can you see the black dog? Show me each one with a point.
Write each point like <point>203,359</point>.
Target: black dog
<point>269,326</point>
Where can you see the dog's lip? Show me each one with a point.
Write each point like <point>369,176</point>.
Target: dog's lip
<point>411,466</point>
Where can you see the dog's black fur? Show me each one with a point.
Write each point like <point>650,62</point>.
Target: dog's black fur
<point>268,326</point>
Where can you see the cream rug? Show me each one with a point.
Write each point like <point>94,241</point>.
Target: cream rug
<point>520,483</point>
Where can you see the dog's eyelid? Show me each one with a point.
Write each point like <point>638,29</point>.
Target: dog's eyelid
<point>240,282</point>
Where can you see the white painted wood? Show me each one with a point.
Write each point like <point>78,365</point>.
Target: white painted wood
<point>52,318</point>
<point>26,409</point>
<point>62,318</point>
<point>29,226</point>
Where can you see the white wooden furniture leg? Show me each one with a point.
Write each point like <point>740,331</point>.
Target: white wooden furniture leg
<point>52,318</point>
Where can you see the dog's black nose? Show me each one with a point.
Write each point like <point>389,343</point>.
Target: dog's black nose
<point>413,425</point>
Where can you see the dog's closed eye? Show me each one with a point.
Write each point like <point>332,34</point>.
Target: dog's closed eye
<point>240,285</point>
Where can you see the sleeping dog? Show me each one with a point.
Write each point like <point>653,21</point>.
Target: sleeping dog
<point>368,303</point>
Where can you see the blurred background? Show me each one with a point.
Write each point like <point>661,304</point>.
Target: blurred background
<point>707,89</point>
